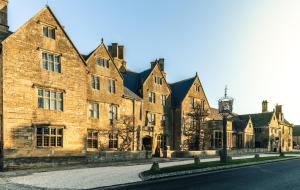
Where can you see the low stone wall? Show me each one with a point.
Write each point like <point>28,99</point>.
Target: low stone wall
<point>41,162</point>
<point>243,151</point>
<point>88,158</point>
<point>113,156</point>
<point>211,153</point>
<point>191,154</point>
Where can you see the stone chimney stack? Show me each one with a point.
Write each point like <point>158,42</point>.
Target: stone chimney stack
<point>117,53</point>
<point>278,112</point>
<point>3,16</point>
<point>161,64</point>
<point>265,106</point>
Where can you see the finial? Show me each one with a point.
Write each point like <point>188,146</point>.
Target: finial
<point>226,89</point>
<point>101,40</point>
<point>196,73</point>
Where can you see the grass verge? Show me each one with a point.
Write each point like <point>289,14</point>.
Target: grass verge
<point>207,165</point>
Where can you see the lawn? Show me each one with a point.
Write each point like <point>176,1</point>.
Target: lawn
<point>207,165</point>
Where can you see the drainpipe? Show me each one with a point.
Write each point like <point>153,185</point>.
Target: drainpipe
<point>133,122</point>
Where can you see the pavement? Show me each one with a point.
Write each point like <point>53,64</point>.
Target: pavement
<point>280,175</point>
<point>86,178</point>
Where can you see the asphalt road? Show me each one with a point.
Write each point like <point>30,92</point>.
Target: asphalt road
<point>273,176</point>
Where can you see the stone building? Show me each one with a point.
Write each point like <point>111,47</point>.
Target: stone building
<point>44,92</point>
<point>271,129</point>
<point>240,132</point>
<point>296,136</point>
<point>286,130</point>
<point>186,94</point>
<point>57,105</point>
<point>152,87</point>
<point>243,132</point>
<point>113,109</point>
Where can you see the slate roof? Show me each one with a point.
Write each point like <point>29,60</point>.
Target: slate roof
<point>260,119</point>
<point>4,35</point>
<point>129,94</point>
<point>133,80</point>
<point>296,130</point>
<point>240,122</point>
<point>180,89</point>
<point>214,114</point>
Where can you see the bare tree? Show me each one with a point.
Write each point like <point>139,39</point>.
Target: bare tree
<point>123,130</point>
<point>196,132</point>
<point>126,133</point>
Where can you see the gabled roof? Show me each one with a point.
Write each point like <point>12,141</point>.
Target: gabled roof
<point>240,122</point>
<point>61,27</point>
<point>131,95</point>
<point>134,81</point>
<point>180,89</point>
<point>87,57</point>
<point>260,119</point>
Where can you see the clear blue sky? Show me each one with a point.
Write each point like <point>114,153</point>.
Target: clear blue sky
<point>252,46</point>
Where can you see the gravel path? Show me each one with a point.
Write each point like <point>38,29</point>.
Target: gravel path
<point>86,178</point>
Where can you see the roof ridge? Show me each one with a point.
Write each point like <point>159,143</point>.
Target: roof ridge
<point>184,80</point>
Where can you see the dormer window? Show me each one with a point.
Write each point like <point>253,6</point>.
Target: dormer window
<point>102,62</point>
<point>49,32</point>
<point>51,62</point>
<point>158,80</point>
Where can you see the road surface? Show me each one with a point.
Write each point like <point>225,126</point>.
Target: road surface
<point>273,176</point>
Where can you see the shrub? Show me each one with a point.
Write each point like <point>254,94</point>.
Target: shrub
<point>281,154</point>
<point>196,160</point>
<point>229,158</point>
<point>256,156</point>
<point>154,167</point>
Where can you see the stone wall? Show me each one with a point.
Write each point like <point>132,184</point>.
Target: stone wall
<point>89,158</point>
<point>156,108</point>
<point>23,75</point>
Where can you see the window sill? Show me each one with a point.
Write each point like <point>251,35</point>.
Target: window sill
<point>59,111</point>
<point>92,149</point>
<point>94,119</point>
<point>50,147</point>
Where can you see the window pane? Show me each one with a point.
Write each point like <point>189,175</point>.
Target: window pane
<point>39,131</point>
<point>89,143</point>
<point>40,92</point>
<point>47,104</point>
<point>45,60</point>
<point>60,95</point>
<point>53,131</point>
<point>59,141</point>
<point>90,134</point>
<point>46,131</point>
<point>39,141</point>
<point>53,104</point>
<point>40,102</point>
<point>46,140</point>
<point>53,141</point>
<point>60,105</point>
<point>60,131</point>
<point>57,67</point>
<point>45,31</point>
<point>95,144</point>
<point>52,33</point>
